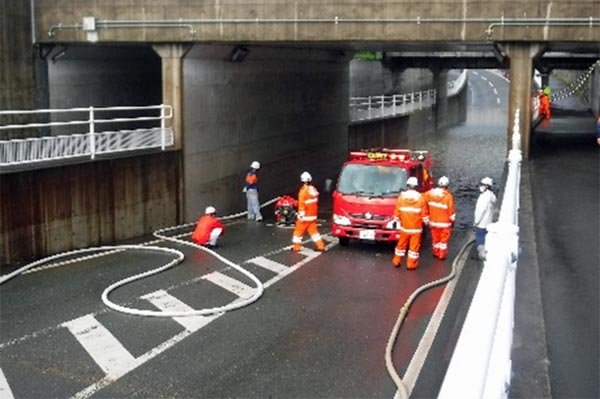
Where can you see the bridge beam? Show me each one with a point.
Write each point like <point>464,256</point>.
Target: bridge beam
<point>521,57</point>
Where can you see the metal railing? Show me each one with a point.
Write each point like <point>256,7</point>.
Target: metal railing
<point>93,141</point>
<point>481,363</point>
<point>378,107</point>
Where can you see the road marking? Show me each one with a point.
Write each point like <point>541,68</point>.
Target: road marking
<point>168,303</point>
<point>416,363</point>
<point>484,78</point>
<point>495,91</point>
<point>230,284</point>
<point>491,84</point>
<point>269,264</point>
<point>498,100</point>
<point>102,346</point>
<point>5,392</point>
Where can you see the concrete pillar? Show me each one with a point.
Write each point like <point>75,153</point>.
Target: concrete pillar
<point>595,91</point>
<point>440,81</point>
<point>521,69</point>
<point>172,92</point>
<point>172,84</point>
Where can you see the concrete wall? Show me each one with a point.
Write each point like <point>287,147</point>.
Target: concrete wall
<point>51,13</point>
<point>374,78</point>
<point>17,83</point>
<point>286,108</point>
<point>403,131</point>
<point>52,210</point>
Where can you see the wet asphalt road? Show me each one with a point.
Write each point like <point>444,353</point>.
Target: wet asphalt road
<point>318,332</point>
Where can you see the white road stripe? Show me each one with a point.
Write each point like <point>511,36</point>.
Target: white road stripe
<point>168,303</point>
<point>5,392</point>
<point>269,264</point>
<point>102,346</point>
<point>495,91</point>
<point>491,84</point>
<point>498,100</point>
<point>484,78</point>
<point>230,284</point>
<point>416,363</point>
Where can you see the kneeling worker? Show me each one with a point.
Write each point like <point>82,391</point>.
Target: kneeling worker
<point>208,229</point>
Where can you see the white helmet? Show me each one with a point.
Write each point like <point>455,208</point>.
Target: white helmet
<point>305,177</point>
<point>210,210</point>
<point>487,181</point>
<point>443,181</point>
<point>255,165</point>
<point>412,182</point>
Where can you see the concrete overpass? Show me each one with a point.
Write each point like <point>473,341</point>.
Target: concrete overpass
<point>246,80</point>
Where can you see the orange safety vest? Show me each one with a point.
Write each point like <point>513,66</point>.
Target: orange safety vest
<point>308,203</point>
<point>411,210</point>
<point>441,207</point>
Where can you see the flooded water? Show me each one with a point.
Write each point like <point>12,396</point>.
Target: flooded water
<point>476,148</point>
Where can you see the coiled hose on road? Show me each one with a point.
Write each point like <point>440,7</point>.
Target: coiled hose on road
<point>179,256</point>
<point>402,389</point>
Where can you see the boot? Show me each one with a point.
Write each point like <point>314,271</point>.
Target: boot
<point>396,260</point>
<point>296,247</point>
<point>320,246</point>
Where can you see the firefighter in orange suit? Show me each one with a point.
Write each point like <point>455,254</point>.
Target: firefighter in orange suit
<point>208,229</point>
<point>411,211</point>
<point>544,105</point>
<point>440,204</point>
<point>308,207</point>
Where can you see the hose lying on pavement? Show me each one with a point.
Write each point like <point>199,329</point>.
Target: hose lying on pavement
<point>402,389</point>
<point>179,256</point>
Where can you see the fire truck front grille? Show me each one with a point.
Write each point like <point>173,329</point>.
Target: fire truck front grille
<point>373,217</point>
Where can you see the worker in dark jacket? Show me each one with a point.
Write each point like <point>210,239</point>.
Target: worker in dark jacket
<point>208,229</point>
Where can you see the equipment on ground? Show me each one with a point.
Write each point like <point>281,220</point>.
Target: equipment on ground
<point>285,210</point>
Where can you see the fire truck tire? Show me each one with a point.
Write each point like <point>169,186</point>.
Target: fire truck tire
<point>344,241</point>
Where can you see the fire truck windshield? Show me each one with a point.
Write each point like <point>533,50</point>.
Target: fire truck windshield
<point>371,180</point>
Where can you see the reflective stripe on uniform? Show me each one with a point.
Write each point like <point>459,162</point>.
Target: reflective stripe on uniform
<point>308,219</point>
<point>437,205</point>
<point>410,231</point>
<point>316,237</point>
<point>410,209</point>
<point>311,201</point>
<point>413,255</point>
<point>443,245</point>
<point>399,252</point>
<point>440,224</point>
<point>297,240</point>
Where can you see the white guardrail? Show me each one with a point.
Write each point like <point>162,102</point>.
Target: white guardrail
<point>92,141</point>
<point>481,363</point>
<point>377,107</point>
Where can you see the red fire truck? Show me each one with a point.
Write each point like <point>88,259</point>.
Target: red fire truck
<point>367,189</point>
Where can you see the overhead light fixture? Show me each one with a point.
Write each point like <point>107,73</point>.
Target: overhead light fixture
<point>239,53</point>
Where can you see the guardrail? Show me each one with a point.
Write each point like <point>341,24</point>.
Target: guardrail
<point>93,142</point>
<point>481,366</point>
<point>378,107</point>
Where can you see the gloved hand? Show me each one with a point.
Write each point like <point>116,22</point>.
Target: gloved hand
<point>244,189</point>
<point>301,216</point>
<point>393,224</point>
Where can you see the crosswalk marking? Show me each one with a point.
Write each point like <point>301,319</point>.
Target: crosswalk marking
<point>269,264</point>
<point>102,346</point>
<point>230,284</point>
<point>168,303</point>
<point>5,392</point>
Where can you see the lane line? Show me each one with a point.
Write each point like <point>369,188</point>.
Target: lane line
<point>495,91</point>
<point>269,264</point>
<point>230,284</point>
<point>168,303</point>
<point>5,392</point>
<point>498,100</point>
<point>418,359</point>
<point>102,346</point>
<point>491,84</point>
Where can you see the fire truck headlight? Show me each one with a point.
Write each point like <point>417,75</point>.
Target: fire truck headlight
<point>341,220</point>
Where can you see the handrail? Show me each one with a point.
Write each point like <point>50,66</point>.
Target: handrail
<point>481,365</point>
<point>37,150</point>
<point>383,106</point>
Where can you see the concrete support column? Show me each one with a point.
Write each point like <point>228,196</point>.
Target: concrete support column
<point>172,84</point>
<point>595,92</point>
<point>440,81</point>
<point>521,69</point>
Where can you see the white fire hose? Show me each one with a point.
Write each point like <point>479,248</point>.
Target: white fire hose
<point>401,386</point>
<point>179,256</point>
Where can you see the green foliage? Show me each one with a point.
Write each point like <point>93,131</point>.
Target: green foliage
<point>368,56</point>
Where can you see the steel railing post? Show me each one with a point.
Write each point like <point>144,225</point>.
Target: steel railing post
<point>382,106</point>
<point>91,133</point>
<point>394,104</point>
<point>162,127</point>
<point>369,107</point>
